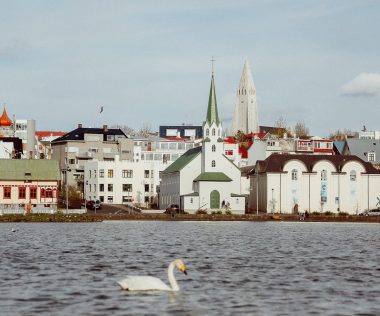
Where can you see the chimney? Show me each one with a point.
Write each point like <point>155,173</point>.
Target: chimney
<point>105,128</point>
<point>80,125</point>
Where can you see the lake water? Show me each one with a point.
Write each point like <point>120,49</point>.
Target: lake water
<point>234,268</point>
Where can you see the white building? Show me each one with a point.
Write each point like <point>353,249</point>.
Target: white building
<point>122,181</point>
<point>245,117</point>
<point>204,178</point>
<point>314,183</point>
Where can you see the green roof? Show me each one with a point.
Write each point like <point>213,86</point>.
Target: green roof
<point>182,161</point>
<point>26,169</point>
<point>212,110</point>
<point>191,194</point>
<point>213,176</point>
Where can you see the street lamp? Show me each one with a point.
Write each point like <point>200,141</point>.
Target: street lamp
<point>67,188</point>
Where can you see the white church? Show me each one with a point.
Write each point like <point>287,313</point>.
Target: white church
<point>204,178</point>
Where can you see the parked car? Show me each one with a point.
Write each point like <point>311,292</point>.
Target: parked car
<point>374,212</point>
<point>92,205</point>
<point>173,208</point>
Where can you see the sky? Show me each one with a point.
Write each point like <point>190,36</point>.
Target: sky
<point>148,62</point>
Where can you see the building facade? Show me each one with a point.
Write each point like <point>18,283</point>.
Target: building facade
<point>314,183</point>
<point>26,182</point>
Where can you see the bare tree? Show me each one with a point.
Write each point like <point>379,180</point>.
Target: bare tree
<point>145,130</point>
<point>301,130</point>
<point>341,135</point>
<point>126,129</point>
<point>281,127</point>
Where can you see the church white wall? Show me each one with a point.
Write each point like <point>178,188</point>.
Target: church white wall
<point>191,204</point>
<point>341,191</point>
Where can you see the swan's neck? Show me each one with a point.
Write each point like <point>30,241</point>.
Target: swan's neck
<point>172,280</point>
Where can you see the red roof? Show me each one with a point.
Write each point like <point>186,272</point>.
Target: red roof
<point>42,134</point>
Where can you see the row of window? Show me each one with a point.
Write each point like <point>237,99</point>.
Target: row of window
<point>323,175</point>
<point>45,193</point>
<point>213,132</point>
<point>127,173</point>
<point>126,187</point>
<point>125,199</point>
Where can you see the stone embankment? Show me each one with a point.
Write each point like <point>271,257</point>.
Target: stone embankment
<point>90,217</point>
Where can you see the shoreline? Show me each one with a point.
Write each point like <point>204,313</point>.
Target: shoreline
<point>91,218</point>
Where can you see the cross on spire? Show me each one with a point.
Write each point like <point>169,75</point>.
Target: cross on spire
<point>212,64</point>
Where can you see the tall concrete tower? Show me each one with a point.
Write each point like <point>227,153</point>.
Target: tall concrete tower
<point>245,116</point>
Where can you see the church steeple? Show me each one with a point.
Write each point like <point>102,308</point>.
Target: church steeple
<point>245,117</point>
<point>212,110</point>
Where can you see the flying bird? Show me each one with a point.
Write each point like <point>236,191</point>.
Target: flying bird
<point>101,109</point>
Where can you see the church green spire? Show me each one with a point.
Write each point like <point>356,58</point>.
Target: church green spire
<point>212,110</point>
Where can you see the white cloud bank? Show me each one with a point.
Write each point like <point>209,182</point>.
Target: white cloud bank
<point>365,84</point>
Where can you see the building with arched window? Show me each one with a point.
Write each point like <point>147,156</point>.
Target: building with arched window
<point>314,183</point>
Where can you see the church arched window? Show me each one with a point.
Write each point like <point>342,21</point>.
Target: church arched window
<point>324,175</point>
<point>213,132</point>
<point>294,175</point>
<point>213,164</point>
<point>213,148</point>
<point>353,175</point>
<point>207,132</point>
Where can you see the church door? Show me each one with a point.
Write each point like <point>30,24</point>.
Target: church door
<point>214,199</point>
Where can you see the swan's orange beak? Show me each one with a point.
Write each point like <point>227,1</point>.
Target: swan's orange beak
<point>183,269</point>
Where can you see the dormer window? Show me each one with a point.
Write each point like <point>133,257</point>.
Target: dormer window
<point>371,156</point>
<point>213,132</point>
<point>207,132</point>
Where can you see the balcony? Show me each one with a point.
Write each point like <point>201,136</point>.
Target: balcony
<point>85,155</point>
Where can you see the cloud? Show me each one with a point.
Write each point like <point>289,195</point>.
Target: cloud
<point>365,84</point>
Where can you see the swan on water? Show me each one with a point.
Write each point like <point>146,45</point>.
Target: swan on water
<point>149,283</point>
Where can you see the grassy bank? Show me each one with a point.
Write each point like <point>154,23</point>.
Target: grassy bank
<point>90,217</point>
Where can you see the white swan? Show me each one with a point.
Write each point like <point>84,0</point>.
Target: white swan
<point>149,283</point>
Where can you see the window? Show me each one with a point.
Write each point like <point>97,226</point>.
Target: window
<point>371,156</point>
<point>207,132</point>
<point>110,173</point>
<point>72,161</point>
<point>7,192</point>
<point>324,175</point>
<point>213,148</point>
<point>101,198</point>
<point>101,173</point>
<point>101,187</point>
<point>89,174</point>
<point>110,187</point>
<point>49,193</point>
<point>213,132</point>
<point>213,163</point>
<point>353,175</point>
<point>191,200</point>
<point>94,173</point>
<point>127,187</point>
<point>33,193</point>
<point>146,199</point>
<point>127,173</point>
<point>146,187</point>
<point>146,173</point>
<point>294,175</point>
<point>110,199</point>
<point>151,174</point>
<point>21,192</point>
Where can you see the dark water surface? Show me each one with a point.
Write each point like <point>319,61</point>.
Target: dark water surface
<point>235,268</point>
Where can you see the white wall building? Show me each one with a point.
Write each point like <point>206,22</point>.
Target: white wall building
<point>122,181</point>
<point>204,178</point>
<point>298,183</point>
